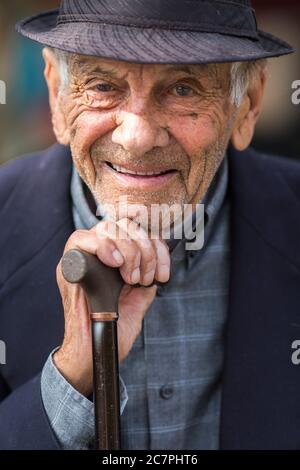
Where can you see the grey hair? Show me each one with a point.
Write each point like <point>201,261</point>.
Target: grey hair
<point>63,58</point>
<point>242,74</point>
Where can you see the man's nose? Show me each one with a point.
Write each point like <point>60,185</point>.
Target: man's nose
<point>139,134</point>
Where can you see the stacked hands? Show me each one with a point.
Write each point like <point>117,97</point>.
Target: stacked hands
<point>141,260</point>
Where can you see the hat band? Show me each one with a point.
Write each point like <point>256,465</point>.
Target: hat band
<point>195,15</point>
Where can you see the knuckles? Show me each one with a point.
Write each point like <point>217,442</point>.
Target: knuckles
<point>141,252</point>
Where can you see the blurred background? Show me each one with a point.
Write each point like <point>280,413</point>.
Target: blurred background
<point>25,124</point>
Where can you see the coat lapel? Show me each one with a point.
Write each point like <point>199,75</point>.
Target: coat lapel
<point>37,208</point>
<point>261,386</point>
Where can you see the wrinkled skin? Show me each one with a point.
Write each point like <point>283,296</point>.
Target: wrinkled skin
<point>146,116</point>
<point>142,114</point>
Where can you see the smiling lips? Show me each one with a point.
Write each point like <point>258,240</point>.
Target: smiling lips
<point>141,179</point>
<point>121,169</point>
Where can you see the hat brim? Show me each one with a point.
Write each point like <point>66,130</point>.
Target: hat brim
<point>147,45</point>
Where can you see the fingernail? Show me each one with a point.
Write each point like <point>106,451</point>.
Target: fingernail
<point>163,273</point>
<point>135,277</point>
<point>148,278</point>
<point>162,252</point>
<point>118,257</point>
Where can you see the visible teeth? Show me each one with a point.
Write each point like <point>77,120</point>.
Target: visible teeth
<point>139,173</point>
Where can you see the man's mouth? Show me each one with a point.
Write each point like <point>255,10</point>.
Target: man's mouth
<point>121,169</point>
<point>144,178</point>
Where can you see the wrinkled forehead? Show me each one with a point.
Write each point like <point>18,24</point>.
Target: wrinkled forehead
<point>85,65</point>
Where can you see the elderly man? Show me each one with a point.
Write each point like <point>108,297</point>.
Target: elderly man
<point>156,102</point>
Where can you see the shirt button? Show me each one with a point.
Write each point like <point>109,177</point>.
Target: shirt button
<point>166,392</point>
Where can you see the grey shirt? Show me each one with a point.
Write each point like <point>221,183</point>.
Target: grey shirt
<point>172,395</point>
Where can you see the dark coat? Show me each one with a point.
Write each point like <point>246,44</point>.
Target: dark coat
<point>261,386</point>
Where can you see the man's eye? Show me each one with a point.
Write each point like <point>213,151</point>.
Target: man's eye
<point>104,87</point>
<point>182,90</point>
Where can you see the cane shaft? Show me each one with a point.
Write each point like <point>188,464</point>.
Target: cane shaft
<point>106,384</point>
<point>102,286</point>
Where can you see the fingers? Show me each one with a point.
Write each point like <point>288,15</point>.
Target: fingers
<point>103,247</point>
<point>163,265</point>
<point>125,245</point>
<point>130,253</point>
<point>155,257</point>
<point>148,258</point>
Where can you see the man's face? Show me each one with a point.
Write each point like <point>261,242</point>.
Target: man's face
<point>166,119</point>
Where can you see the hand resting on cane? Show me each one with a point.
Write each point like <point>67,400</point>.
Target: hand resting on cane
<point>140,261</point>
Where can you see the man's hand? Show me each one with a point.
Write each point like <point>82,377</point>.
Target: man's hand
<point>140,260</point>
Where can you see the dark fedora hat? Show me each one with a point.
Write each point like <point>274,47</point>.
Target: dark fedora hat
<point>156,31</point>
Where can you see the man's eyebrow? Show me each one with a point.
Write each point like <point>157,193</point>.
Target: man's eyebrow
<point>97,69</point>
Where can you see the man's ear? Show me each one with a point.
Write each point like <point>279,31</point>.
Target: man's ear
<point>248,113</point>
<point>52,76</point>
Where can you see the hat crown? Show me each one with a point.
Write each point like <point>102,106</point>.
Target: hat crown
<point>69,6</point>
<point>234,17</point>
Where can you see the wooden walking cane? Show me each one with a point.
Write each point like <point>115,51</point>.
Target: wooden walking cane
<point>102,286</point>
